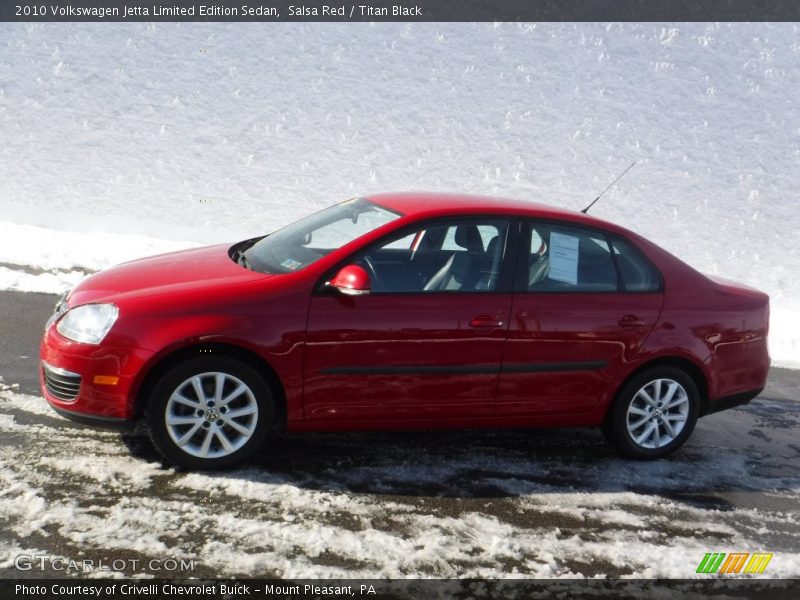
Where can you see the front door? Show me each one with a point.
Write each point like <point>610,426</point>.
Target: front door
<point>427,342</point>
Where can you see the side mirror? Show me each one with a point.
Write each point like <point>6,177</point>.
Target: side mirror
<point>351,280</point>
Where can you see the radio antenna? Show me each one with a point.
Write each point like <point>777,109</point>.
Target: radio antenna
<point>586,210</point>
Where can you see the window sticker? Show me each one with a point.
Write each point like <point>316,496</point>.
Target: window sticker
<point>290,264</point>
<point>564,258</point>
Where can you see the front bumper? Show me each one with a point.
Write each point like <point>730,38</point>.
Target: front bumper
<point>94,420</point>
<point>90,384</point>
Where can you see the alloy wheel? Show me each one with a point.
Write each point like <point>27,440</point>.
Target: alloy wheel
<point>657,413</point>
<point>211,415</point>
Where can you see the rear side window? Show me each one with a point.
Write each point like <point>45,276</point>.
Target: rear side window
<point>568,259</point>
<point>637,274</point>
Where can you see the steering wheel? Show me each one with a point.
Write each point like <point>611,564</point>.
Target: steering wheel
<point>377,284</point>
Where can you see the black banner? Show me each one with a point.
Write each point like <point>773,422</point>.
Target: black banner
<point>382,589</point>
<point>398,10</point>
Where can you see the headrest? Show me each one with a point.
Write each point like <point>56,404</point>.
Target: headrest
<point>468,237</point>
<point>491,249</point>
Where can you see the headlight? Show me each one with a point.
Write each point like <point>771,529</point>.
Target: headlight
<point>89,323</point>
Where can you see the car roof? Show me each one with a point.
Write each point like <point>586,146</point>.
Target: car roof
<point>432,204</point>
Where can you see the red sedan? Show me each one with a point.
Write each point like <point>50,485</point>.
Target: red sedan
<point>407,311</point>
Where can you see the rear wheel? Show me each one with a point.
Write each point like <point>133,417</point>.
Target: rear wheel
<point>209,412</point>
<point>653,414</point>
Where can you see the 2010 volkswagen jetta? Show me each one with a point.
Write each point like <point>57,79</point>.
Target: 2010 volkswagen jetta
<point>407,311</point>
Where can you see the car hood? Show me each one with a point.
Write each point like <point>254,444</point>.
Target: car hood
<point>164,273</point>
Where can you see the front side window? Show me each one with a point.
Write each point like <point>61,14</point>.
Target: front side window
<point>569,259</point>
<point>309,239</point>
<point>459,256</point>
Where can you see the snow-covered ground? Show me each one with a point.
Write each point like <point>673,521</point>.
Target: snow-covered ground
<point>122,140</point>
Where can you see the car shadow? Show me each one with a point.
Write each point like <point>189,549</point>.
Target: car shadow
<point>736,451</point>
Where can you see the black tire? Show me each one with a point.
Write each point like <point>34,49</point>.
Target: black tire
<point>207,420</point>
<point>629,408</point>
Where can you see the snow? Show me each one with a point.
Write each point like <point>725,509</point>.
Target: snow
<point>126,139</point>
<point>67,257</point>
<point>64,250</point>
<point>20,281</point>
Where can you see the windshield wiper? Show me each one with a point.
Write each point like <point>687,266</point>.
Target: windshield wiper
<point>238,250</point>
<point>241,260</point>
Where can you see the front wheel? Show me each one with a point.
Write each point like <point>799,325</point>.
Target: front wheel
<point>653,414</point>
<point>209,412</point>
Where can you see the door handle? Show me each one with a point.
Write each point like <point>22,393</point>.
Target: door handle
<point>485,323</point>
<point>631,322</point>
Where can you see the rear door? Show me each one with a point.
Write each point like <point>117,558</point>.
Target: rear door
<point>584,304</point>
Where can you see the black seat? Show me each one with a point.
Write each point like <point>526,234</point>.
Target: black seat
<point>462,270</point>
<point>493,256</point>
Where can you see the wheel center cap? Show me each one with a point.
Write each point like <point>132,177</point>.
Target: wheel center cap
<point>212,414</point>
<point>657,412</point>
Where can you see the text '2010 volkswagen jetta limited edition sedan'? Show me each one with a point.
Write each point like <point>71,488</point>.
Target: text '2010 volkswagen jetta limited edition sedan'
<point>411,311</point>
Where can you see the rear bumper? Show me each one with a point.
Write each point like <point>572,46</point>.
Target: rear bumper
<point>731,401</point>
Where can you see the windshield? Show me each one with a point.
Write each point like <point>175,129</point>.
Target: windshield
<point>309,239</point>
